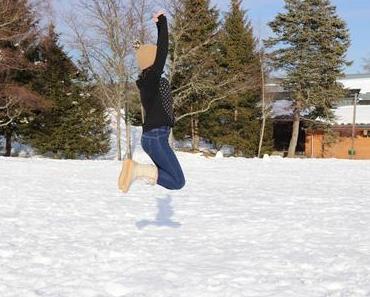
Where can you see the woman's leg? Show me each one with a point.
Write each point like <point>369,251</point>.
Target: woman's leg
<point>170,174</point>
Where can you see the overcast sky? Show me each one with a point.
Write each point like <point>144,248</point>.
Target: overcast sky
<point>355,12</point>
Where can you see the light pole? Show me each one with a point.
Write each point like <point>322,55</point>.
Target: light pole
<point>352,151</point>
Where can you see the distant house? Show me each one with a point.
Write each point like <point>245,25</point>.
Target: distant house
<point>319,145</point>
<point>281,114</point>
<point>315,143</point>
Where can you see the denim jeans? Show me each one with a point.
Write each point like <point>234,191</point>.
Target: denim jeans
<point>155,144</point>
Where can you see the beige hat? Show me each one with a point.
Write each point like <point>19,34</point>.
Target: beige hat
<point>145,55</point>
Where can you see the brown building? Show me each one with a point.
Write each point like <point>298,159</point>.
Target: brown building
<point>340,143</point>
<point>316,143</point>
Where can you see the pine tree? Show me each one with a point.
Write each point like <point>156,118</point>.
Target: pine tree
<point>313,42</point>
<point>18,36</point>
<point>238,116</point>
<point>193,51</point>
<point>76,125</point>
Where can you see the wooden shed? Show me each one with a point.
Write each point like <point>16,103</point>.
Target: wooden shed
<point>341,144</point>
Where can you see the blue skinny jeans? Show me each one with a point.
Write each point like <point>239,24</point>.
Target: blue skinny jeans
<point>155,144</point>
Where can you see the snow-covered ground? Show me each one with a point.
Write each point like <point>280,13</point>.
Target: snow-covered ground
<point>240,227</point>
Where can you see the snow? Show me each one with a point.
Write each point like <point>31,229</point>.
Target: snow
<point>135,137</point>
<point>136,132</point>
<point>219,155</point>
<point>18,149</point>
<point>282,107</point>
<point>240,227</point>
<point>344,114</point>
<point>357,82</point>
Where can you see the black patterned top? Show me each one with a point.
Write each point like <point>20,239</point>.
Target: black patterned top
<point>155,91</point>
<point>167,100</point>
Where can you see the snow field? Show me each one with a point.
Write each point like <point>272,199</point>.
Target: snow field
<point>240,227</point>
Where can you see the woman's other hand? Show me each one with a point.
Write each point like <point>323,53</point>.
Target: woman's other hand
<point>157,15</point>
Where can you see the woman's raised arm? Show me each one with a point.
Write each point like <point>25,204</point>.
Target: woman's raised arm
<point>162,43</point>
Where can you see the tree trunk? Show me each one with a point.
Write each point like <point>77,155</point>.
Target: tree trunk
<point>119,134</point>
<point>196,138</point>
<point>128,132</point>
<point>263,108</point>
<point>192,127</point>
<point>142,113</point>
<point>194,120</point>
<point>171,139</point>
<point>295,134</point>
<point>192,131</point>
<point>8,143</point>
<point>262,135</point>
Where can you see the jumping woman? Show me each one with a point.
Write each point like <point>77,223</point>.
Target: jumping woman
<point>155,95</point>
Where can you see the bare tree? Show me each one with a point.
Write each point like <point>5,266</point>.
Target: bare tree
<point>141,11</point>
<point>104,37</point>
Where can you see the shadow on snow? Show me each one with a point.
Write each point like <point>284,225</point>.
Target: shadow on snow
<point>163,218</point>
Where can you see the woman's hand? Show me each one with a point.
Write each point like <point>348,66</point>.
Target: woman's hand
<point>157,15</point>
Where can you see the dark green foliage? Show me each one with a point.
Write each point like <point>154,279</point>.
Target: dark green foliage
<point>237,120</point>
<point>213,62</point>
<point>238,43</point>
<point>76,125</point>
<point>135,111</point>
<point>194,35</point>
<point>18,38</point>
<point>228,124</point>
<point>310,46</point>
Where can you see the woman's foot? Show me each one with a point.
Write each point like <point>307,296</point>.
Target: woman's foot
<point>132,170</point>
<point>125,177</point>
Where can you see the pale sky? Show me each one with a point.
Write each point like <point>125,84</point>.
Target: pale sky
<point>356,13</point>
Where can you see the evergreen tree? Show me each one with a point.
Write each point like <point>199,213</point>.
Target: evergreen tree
<point>18,37</point>
<point>193,50</point>
<point>313,42</point>
<point>237,118</point>
<point>76,125</point>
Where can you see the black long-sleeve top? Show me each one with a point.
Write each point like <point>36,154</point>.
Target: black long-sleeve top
<point>155,91</point>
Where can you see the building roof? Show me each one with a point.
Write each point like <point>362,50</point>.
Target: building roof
<point>356,76</point>
<point>344,114</point>
<point>357,81</point>
<point>281,108</point>
<point>350,81</point>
